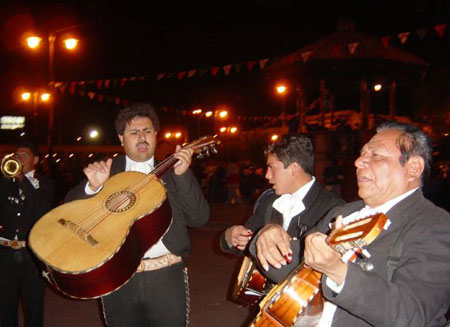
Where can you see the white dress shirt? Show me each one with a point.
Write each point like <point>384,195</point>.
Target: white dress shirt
<point>34,181</point>
<point>329,308</point>
<point>290,205</point>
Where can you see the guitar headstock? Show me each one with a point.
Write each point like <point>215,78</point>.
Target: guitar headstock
<point>204,145</point>
<point>358,233</point>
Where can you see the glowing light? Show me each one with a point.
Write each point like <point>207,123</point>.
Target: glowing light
<point>93,134</point>
<point>46,156</point>
<point>26,96</point>
<point>54,155</point>
<point>71,155</point>
<point>115,155</point>
<point>208,113</point>
<point>197,111</point>
<point>79,138</point>
<point>281,89</point>
<point>70,43</point>
<point>177,135</point>
<point>223,114</point>
<point>233,130</point>
<point>90,155</point>
<point>22,134</point>
<point>45,97</point>
<point>274,138</point>
<point>168,135</point>
<point>58,160</point>
<point>223,129</point>
<point>377,87</point>
<point>33,42</point>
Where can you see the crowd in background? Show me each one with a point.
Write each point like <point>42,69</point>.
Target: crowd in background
<point>234,181</point>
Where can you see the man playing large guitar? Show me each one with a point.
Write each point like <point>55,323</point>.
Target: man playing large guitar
<point>157,295</point>
<point>295,203</point>
<point>404,279</point>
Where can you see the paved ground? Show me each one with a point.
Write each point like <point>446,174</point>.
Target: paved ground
<point>211,273</point>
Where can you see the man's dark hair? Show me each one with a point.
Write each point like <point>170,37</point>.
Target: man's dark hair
<point>29,145</point>
<point>412,142</point>
<point>126,115</point>
<point>294,148</point>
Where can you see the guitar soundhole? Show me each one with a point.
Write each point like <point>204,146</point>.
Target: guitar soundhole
<point>120,201</point>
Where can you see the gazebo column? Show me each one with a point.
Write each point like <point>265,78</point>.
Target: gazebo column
<point>364,104</point>
<point>300,103</point>
<point>392,90</point>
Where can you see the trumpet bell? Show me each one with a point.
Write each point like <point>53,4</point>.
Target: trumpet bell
<point>10,166</point>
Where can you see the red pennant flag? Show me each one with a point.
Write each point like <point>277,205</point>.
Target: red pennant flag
<point>227,69</point>
<point>262,63</point>
<point>352,47</point>
<point>440,29</point>
<point>214,70</point>
<point>160,76</point>
<point>123,81</point>
<point>107,83</point>
<point>403,37</point>
<point>180,75</point>
<point>91,95</point>
<point>191,72</point>
<point>250,64</point>
<point>99,84</point>
<point>81,83</point>
<point>385,40</point>
<point>305,55</point>
<point>100,97</point>
<point>125,102</point>
<point>117,100</point>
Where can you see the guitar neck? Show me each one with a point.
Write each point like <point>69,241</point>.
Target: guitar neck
<point>164,166</point>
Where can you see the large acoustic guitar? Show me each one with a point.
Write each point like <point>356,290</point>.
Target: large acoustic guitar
<point>93,246</point>
<point>298,299</point>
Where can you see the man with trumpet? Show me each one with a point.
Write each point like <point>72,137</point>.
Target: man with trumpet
<point>25,196</point>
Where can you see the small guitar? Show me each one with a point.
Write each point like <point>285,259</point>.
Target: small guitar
<point>298,299</point>
<point>250,285</point>
<point>93,246</point>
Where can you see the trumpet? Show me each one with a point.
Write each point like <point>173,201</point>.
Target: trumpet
<point>10,166</point>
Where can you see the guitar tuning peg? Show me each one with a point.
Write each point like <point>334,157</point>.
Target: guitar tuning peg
<point>200,155</point>
<point>214,150</point>
<point>207,153</point>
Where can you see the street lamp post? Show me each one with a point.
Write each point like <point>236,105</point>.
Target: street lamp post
<point>33,97</point>
<point>281,90</point>
<point>70,44</point>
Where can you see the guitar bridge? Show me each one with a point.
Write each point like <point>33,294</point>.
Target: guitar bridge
<point>79,231</point>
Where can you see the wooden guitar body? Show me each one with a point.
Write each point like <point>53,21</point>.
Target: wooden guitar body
<point>93,246</point>
<point>250,285</point>
<point>297,299</point>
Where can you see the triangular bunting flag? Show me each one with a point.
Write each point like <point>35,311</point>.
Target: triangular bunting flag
<point>352,47</point>
<point>305,55</point>
<point>125,102</point>
<point>191,72</point>
<point>440,29</point>
<point>82,83</point>
<point>107,83</point>
<point>91,95</point>
<point>403,37</point>
<point>227,69</point>
<point>180,75</point>
<point>214,70</point>
<point>132,78</point>
<point>262,63</point>
<point>99,84</point>
<point>160,76</point>
<point>421,33</point>
<point>250,65</point>
<point>100,97</point>
<point>117,100</point>
<point>385,40</point>
<point>237,68</point>
<point>123,81</point>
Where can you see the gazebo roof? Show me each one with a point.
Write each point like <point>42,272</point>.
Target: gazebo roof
<point>347,50</point>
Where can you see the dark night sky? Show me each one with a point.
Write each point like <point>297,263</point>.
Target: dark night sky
<point>123,39</point>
